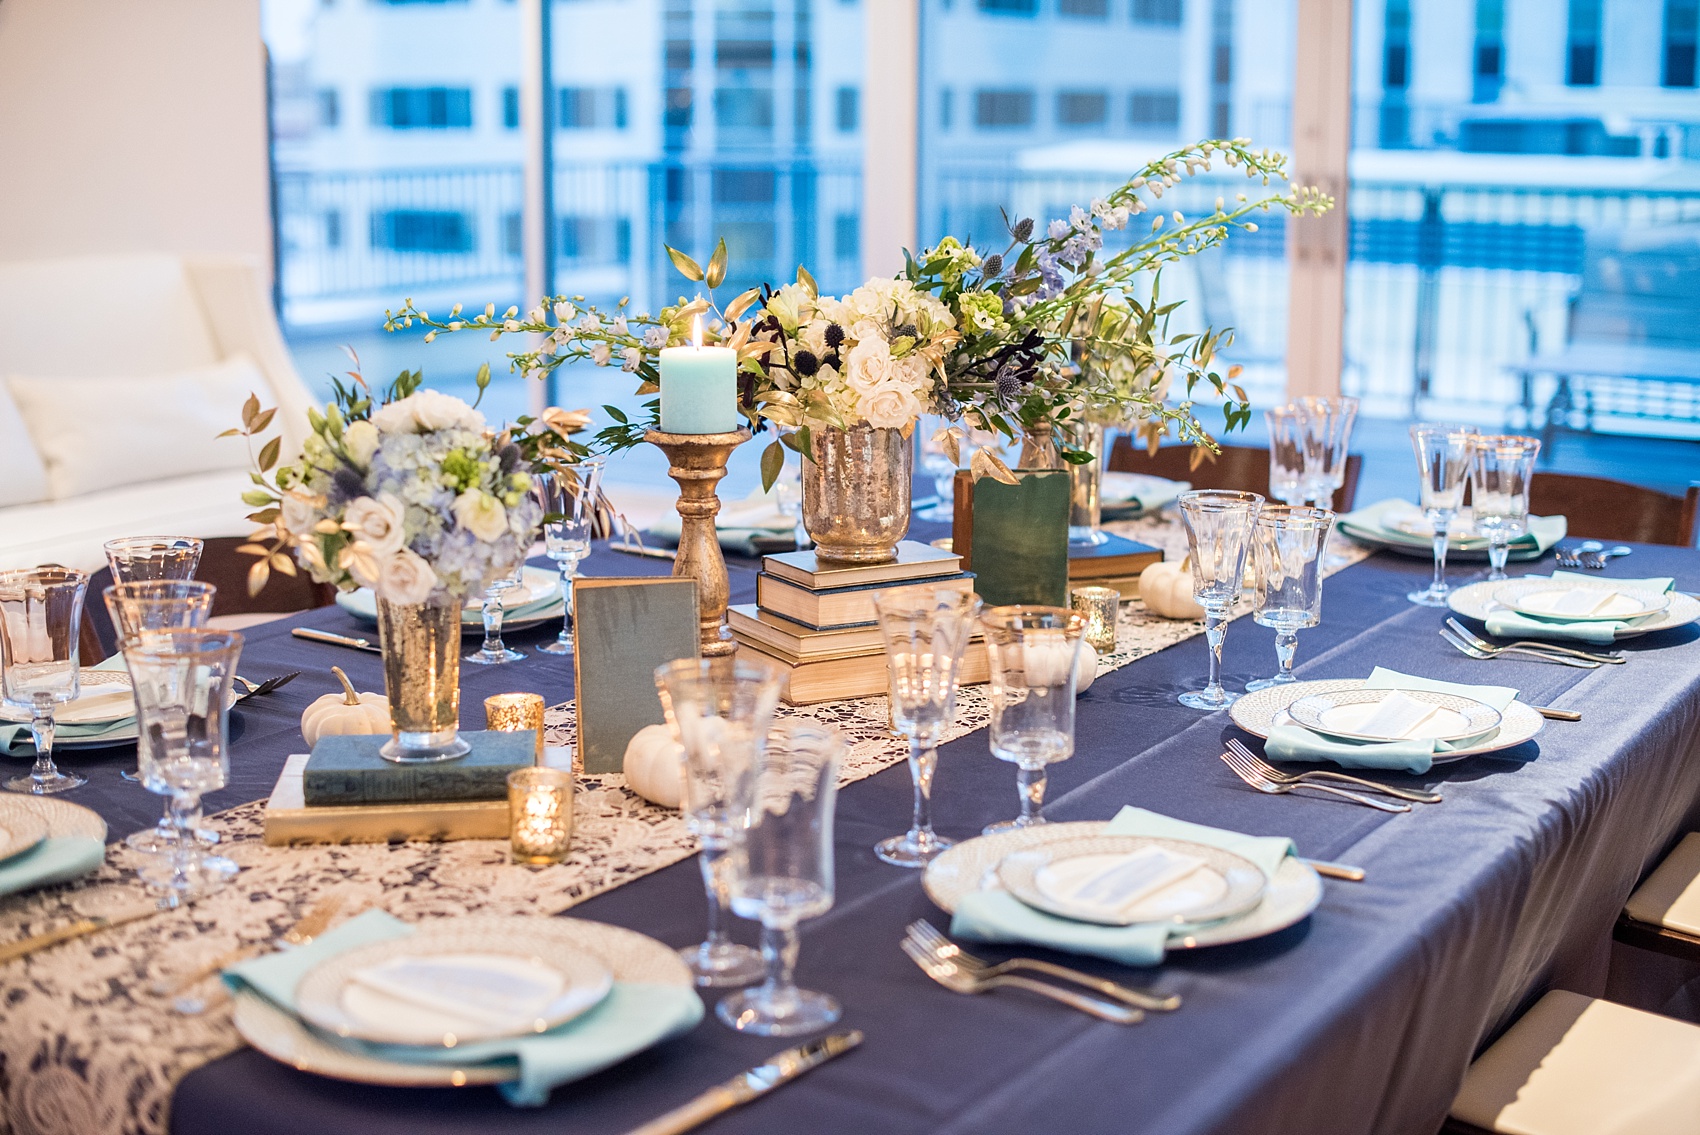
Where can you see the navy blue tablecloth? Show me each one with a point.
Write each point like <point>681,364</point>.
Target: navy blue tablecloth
<point>1360,1019</point>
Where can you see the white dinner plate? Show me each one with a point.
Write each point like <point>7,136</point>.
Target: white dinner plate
<point>286,1038</point>
<point>1476,601</point>
<point>972,866</point>
<point>1259,712</point>
<point>103,695</point>
<point>394,992</point>
<point>1346,713</point>
<point>1048,876</point>
<point>540,602</point>
<point>21,827</point>
<point>1543,598</point>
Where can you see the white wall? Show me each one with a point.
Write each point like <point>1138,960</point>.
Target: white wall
<point>132,126</point>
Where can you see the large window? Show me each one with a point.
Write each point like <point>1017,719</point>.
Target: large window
<point>1582,43</point>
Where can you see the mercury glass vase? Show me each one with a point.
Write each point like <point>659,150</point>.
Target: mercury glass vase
<point>856,493</point>
<point>421,644</point>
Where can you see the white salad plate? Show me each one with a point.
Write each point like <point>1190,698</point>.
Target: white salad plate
<point>1259,712</point>
<point>536,600</point>
<point>1477,601</point>
<point>1350,714</point>
<point>1122,880</point>
<point>1547,599</point>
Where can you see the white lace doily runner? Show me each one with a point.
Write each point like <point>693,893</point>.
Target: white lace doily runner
<point>88,1046</point>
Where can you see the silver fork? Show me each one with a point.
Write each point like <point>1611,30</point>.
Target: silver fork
<point>1270,772</point>
<point>1257,780</point>
<point>931,939</point>
<point>954,978</point>
<point>1610,656</point>
<point>1539,655</point>
<point>260,689</point>
<point>1573,558</point>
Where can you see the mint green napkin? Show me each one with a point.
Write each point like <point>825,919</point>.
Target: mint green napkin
<point>15,739</point>
<point>998,916</point>
<point>634,1016</point>
<point>1503,622</point>
<point>51,861</point>
<point>738,524</point>
<point>1366,523</point>
<point>1296,743</point>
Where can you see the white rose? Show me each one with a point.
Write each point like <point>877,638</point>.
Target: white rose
<point>377,522</point>
<point>481,514</point>
<point>360,442</point>
<point>869,366</point>
<point>301,510</point>
<point>892,406</point>
<point>425,412</point>
<point>406,578</point>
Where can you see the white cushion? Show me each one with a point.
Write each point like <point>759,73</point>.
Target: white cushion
<point>106,433</point>
<point>1576,1066</point>
<point>1671,895</point>
<point>71,532</point>
<point>23,477</point>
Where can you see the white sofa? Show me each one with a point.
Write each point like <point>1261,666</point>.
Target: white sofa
<point>116,374</point>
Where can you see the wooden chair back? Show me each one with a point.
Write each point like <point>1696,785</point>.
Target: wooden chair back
<point>1242,467</point>
<point>1601,509</point>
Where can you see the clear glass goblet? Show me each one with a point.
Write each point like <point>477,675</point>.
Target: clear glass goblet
<point>1286,453</point>
<point>569,494</point>
<point>1033,652</point>
<point>788,496</point>
<point>183,681</point>
<point>153,557</point>
<point>158,605</point>
<point>41,616</point>
<point>1288,545</point>
<point>926,629</point>
<point>1327,434</point>
<point>494,652</point>
<point>1501,469</point>
<point>1218,526</point>
<point>781,872</point>
<point>720,710</point>
<point>1443,461</point>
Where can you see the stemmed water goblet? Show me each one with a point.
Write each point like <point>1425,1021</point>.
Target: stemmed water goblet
<point>1033,652</point>
<point>1327,431</point>
<point>1287,544</point>
<point>153,557</point>
<point>146,605</point>
<point>494,652</point>
<point>926,629</point>
<point>1501,468</point>
<point>1218,526</point>
<point>1287,469</point>
<point>569,494</point>
<point>182,680</point>
<point>41,617</point>
<point>1443,461</point>
<point>720,711</point>
<point>781,873</point>
<point>788,495</point>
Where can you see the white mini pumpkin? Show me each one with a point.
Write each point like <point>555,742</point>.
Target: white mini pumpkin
<point>655,766</point>
<point>1085,668</point>
<point>1166,590</point>
<point>345,712</point>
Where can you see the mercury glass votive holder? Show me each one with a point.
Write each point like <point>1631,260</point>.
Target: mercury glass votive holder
<point>516,713</point>
<point>540,807</point>
<point>1098,606</point>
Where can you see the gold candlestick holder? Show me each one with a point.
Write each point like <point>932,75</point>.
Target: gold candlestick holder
<point>698,462</point>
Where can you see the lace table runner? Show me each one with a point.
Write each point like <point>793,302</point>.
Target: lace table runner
<point>88,1045</point>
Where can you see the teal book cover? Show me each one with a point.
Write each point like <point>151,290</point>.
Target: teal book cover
<point>1020,539</point>
<point>346,769</point>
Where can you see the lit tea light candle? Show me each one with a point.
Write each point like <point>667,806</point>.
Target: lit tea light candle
<point>540,809</point>
<point>516,713</point>
<point>1099,606</point>
<point>699,387</point>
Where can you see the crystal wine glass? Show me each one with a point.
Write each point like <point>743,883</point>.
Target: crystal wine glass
<point>1033,653</point>
<point>1286,453</point>
<point>182,680</point>
<point>926,629</point>
<point>159,605</point>
<point>1443,461</point>
<point>788,495</point>
<point>1327,433</point>
<point>41,615</point>
<point>153,557</point>
<point>781,872</point>
<point>1501,468</point>
<point>719,710</point>
<point>1288,544</point>
<point>494,652</point>
<point>1218,526</point>
<point>569,494</point>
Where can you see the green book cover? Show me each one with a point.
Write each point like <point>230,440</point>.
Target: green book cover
<point>346,769</point>
<point>1020,537</point>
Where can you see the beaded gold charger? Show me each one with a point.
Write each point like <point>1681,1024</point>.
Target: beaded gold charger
<point>90,1046</point>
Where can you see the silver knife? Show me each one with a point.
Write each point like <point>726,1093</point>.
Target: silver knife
<point>312,635</point>
<point>746,1086</point>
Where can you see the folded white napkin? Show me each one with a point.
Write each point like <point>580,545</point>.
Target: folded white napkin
<point>492,990</point>
<point>1397,717</point>
<point>1582,601</point>
<point>1117,888</point>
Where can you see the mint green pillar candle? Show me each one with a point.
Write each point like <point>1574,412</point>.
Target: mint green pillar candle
<point>699,388</point>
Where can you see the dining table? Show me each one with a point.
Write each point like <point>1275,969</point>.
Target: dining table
<point>1360,1018</point>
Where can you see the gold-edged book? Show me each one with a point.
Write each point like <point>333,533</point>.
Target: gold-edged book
<point>852,675</point>
<point>790,638</point>
<point>840,608</point>
<point>288,820</point>
<point>914,561</point>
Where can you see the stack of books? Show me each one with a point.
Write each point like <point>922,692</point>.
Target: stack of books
<point>817,620</point>
<point>1115,563</point>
